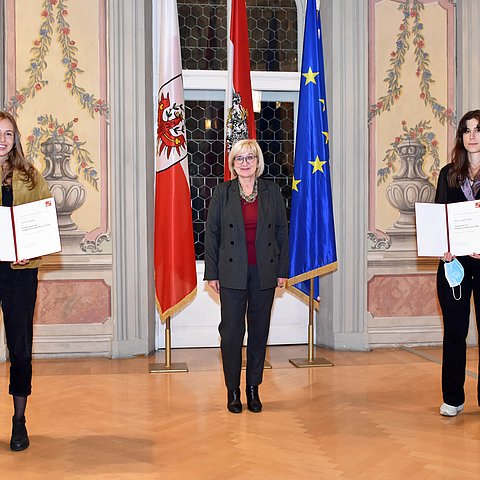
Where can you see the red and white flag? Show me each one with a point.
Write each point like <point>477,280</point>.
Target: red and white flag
<point>174,254</point>
<point>240,119</point>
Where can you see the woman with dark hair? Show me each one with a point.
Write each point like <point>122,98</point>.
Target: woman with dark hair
<point>21,183</point>
<point>246,258</point>
<point>459,181</point>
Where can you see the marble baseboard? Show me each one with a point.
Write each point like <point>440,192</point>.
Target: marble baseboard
<point>68,340</point>
<point>396,331</point>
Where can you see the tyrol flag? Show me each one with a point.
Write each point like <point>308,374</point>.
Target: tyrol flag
<point>312,233</point>
<point>240,119</point>
<point>174,254</point>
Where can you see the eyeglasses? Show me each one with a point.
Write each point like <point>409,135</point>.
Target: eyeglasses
<point>247,158</point>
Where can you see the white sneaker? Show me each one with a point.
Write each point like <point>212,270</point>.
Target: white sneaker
<point>449,410</point>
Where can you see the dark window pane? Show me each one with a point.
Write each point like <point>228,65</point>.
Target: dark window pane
<point>205,147</point>
<point>203,34</point>
<point>272,26</point>
<point>275,136</point>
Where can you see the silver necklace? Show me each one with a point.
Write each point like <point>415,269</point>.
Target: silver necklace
<point>249,198</point>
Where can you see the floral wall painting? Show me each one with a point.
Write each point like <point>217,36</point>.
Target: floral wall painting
<point>56,80</point>
<point>411,115</point>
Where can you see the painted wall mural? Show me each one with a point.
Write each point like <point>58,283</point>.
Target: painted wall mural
<point>418,302</point>
<point>411,112</point>
<point>411,131</point>
<point>56,86</point>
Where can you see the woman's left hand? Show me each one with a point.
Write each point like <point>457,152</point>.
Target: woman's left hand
<point>475,255</point>
<point>281,282</point>
<point>22,262</point>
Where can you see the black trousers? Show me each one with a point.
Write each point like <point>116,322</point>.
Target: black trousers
<point>18,294</point>
<point>257,304</point>
<point>456,316</point>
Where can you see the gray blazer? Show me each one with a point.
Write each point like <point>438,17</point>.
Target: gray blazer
<point>226,257</point>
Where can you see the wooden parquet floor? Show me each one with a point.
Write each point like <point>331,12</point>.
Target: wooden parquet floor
<point>374,415</point>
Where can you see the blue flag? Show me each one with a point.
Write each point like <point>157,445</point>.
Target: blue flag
<point>312,233</point>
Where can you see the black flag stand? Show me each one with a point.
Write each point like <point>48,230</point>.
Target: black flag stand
<point>310,361</point>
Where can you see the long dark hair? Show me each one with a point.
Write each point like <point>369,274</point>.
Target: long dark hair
<point>16,159</point>
<point>460,164</point>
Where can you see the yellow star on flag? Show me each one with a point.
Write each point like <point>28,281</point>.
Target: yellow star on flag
<point>326,136</point>
<point>322,101</point>
<point>317,165</point>
<point>295,183</point>
<point>310,76</point>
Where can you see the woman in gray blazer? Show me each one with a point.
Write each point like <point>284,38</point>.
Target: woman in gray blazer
<point>246,258</point>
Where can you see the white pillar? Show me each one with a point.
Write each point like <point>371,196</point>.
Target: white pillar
<point>342,321</point>
<point>132,176</point>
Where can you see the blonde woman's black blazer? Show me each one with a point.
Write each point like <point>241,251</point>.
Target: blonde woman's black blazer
<point>225,242</point>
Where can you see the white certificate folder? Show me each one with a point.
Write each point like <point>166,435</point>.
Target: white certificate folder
<point>28,231</point>
<point>452,227</point>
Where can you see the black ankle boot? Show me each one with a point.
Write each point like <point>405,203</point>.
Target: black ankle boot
<point>19,439</point>
<point>253,400</point>
<point>234,404</point>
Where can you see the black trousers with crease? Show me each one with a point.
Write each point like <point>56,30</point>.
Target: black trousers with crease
<point>456,318</point>
<point>18,294</point>
<point>257,305</point>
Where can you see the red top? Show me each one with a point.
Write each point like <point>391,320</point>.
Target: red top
<point>250,217</point>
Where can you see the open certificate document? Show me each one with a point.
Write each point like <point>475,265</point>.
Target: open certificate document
<point>29,230</point>
<point>452,227</point>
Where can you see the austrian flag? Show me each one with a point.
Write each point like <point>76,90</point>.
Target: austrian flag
<point>240,119</point>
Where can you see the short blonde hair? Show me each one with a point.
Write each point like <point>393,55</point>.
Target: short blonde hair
<point>246,146</point>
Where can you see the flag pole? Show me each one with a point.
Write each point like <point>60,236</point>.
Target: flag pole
<point>310,361</point>
<point>168,366</point>
<point>174,252</point>
<point>310,322</point>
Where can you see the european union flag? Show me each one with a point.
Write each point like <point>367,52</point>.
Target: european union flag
<point>312,233</point>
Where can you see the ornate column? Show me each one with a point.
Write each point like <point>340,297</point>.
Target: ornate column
<point>133,168</point>
<point>342,322</point>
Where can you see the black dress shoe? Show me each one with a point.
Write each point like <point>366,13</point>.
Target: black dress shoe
<point>253,400</point>
<point>234,404</point>
<point>19,440</point>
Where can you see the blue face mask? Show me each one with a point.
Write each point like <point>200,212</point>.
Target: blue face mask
<point>454,274</point>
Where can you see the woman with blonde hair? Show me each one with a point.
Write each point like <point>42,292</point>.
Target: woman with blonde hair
<point>246,258</point>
